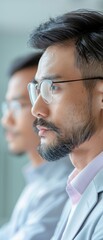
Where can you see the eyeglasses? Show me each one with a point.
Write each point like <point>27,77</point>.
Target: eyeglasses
<point>47,87</point>
<point>14,106</point>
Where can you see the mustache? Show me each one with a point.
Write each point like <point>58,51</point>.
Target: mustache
<point>46,124</point>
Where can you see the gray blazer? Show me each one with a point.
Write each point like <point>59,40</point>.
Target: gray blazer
<point>87,220</point>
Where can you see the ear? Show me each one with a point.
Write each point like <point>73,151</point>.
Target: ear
<point>100,92</point>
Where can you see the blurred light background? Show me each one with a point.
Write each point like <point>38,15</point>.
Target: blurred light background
<point>17,20</point>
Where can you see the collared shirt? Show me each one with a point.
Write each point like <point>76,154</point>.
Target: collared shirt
<point>77,182</point>
<point>76,185</point>
<point>40,205</point>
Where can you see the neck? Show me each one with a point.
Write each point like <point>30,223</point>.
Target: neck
<point>87,151</point>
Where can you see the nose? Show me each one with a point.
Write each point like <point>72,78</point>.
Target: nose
<point>7,119</point>
<point>40,109</point>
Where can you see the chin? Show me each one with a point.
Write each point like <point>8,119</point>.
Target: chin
<point>47,140</point>
<point>16,151</point>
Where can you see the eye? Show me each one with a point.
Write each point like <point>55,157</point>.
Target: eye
<point>54,87</point>
<point>15,105</point>
<point>23,104</point>
<point>36,89</point>
<point>36,86</point>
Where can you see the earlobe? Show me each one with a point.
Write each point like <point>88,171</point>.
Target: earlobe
<point>100,92</point>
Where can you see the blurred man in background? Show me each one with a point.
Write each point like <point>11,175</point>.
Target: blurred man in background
<point>39,207</point>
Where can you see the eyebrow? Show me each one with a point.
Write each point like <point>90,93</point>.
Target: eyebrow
<point>49,77</point>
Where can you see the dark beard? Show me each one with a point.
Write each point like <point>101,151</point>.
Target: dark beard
<point>64,145</point>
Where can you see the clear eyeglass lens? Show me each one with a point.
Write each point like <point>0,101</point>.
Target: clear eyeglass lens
<point>32,93</point>
<point>4,108</point>
<point>13,106</point>
<point>46,90</point>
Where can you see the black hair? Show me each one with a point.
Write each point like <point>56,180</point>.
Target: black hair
<point>23,62</point>
<point>84,28</point>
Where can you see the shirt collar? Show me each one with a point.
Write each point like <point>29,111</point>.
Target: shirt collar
<point>78,181</point>
<point>47,170</point>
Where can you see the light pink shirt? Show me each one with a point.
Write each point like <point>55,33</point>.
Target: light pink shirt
<point>78,182</point>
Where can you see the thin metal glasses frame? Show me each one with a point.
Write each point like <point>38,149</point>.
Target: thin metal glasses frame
<point>38,85</point>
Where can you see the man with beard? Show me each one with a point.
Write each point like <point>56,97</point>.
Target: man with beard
<point>67,101</point>
<point>40,205</point>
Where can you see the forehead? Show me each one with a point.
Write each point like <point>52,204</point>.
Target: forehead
<point>60,60</point>
<point>17,85</point>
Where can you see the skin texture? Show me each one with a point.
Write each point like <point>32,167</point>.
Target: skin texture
<point>72,110</point>
<point>18,127</point>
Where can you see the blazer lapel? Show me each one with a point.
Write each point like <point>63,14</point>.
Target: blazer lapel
<point>83,209</point>
<point>62,223</point>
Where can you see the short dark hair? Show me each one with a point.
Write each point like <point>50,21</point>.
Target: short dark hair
<point>82,27</point>
<point>23,62</point>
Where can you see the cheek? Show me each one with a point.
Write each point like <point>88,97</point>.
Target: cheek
<point>59,114</point>
<point>24,122</point>
<point>70,114</point>
<point>70,106</point>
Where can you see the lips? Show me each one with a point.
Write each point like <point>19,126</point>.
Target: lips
<point>42,130</point>
<point>10,135</point>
